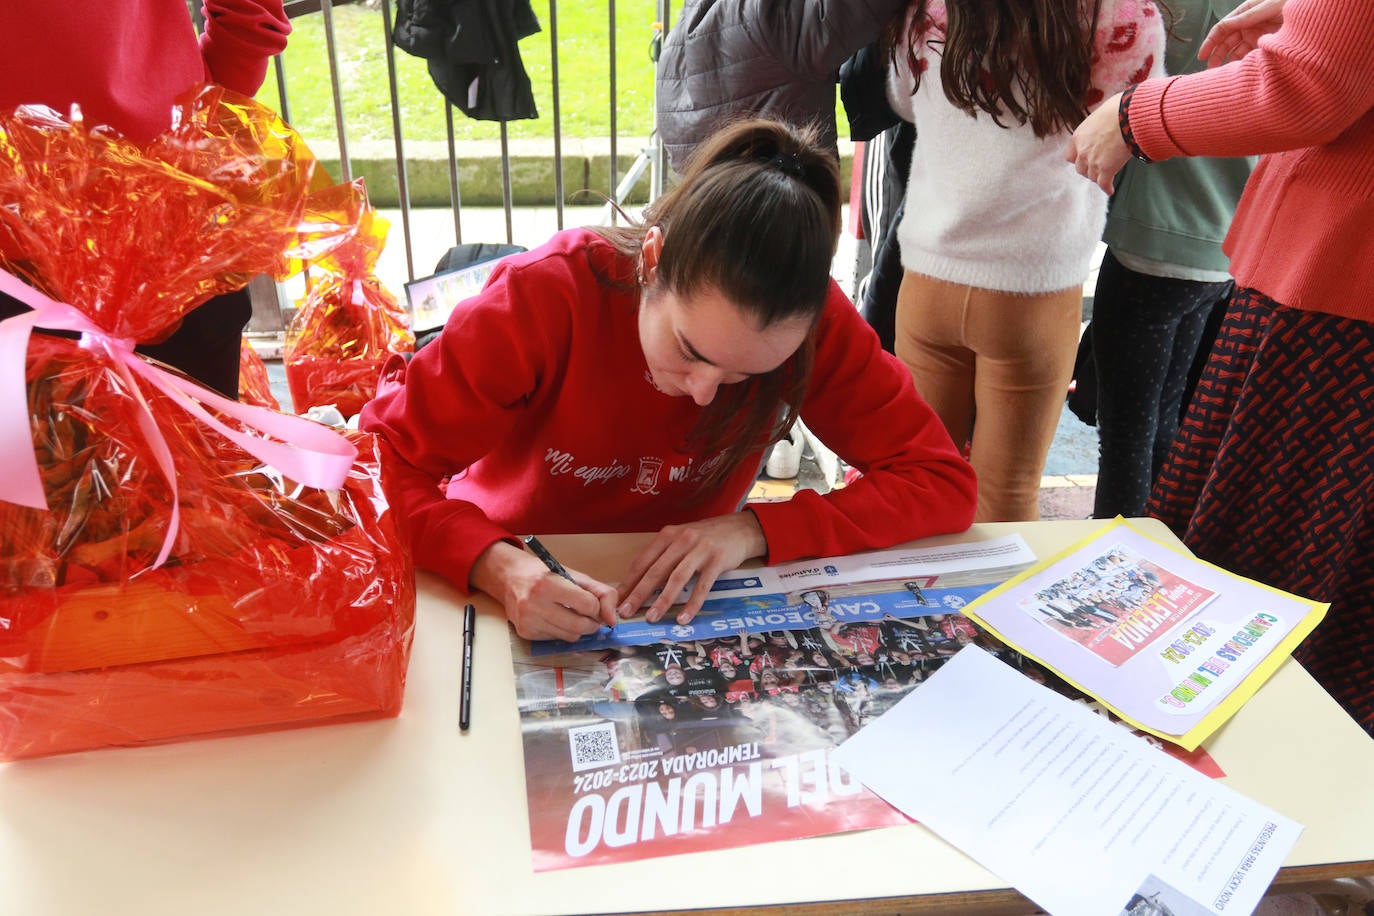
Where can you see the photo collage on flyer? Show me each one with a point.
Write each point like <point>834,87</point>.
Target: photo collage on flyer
<point>1116,605</point>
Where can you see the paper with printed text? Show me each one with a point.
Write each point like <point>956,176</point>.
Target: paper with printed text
<point>1073,811</point>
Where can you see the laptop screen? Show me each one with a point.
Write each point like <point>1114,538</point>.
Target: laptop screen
<point>432,299</point>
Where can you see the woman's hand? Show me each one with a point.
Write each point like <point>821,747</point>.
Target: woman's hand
<point>1239,32</point>
<point>1097,149</point>
<point>703,549</point>
<point>543,605</point>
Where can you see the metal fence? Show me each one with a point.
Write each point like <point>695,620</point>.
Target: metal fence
<point>649,159</point>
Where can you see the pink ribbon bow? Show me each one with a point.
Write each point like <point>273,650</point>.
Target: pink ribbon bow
<point>300,449</point>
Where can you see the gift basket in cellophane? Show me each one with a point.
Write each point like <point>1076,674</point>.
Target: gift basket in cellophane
<point>173,563</point>
<point>347,325</point>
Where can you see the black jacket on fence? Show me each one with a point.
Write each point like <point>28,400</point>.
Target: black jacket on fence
<point>472,51</point>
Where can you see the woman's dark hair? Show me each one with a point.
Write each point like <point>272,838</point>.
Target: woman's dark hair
<point>1030,60</point>
<point>756,218</point>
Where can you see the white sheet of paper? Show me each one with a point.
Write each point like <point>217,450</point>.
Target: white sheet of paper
<point>874,566</point>
<point>1073,811</point>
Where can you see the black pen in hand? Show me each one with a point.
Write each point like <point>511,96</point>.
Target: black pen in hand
<point>555,567</point>
<point>542,552</point>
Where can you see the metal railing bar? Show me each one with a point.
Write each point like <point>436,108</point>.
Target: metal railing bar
<point>454,193</point>
<point>659,171</point>
<point>345,167</point>
<point>283,105</point>
<point>402,178</point>
<point>506,195</point>
<point>615,160</point>
<point>557,114</point>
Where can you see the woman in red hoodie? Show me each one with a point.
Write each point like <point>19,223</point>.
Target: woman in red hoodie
<point>630,380</point>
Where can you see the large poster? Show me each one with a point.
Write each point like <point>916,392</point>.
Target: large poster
<point>808,592</point>
<point>634,751</point>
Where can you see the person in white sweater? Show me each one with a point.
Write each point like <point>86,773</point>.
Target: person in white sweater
<point>998,233</point>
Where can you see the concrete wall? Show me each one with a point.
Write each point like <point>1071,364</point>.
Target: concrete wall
<point>586,164</point>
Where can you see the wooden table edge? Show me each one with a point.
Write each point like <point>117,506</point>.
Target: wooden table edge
<point>1006,902</point>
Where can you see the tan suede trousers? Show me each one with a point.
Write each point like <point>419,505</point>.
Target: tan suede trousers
<point>995,366</point>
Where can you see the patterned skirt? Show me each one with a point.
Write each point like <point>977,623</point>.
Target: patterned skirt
<point>1272,475</point>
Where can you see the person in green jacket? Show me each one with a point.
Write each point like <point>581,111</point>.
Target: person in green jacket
<point>1161,291</point>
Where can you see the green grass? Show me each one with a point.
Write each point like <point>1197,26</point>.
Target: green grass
<point>583,70</point>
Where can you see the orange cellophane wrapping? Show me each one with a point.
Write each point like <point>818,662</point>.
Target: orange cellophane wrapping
<point>346,326</point>
<point>279,604</point>
<point>255,387</point>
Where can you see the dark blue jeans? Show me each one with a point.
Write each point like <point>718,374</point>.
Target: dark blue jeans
<point>1147,333</point>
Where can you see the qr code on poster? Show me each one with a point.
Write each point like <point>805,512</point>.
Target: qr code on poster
<point>593,746</point>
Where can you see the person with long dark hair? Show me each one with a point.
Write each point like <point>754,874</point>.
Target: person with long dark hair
<point>630,379</point>
<point>998,233</point>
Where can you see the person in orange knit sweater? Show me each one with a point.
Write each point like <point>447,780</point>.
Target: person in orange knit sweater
<point>1272,476</point>
<point>124,63</point>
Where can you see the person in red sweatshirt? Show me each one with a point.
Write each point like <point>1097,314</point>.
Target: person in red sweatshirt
<point>1272,474</point>
<point>123,63</point>
<point>630,379</point>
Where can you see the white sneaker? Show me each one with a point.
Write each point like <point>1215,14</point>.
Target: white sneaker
<point>784,461</point>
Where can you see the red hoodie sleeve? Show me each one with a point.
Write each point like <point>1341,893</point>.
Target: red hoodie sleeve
<point>450,405</point>
<point>239,37</point>
<point>861,402</point>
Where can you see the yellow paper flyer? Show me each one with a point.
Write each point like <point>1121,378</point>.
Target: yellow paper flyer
<point>1171,644</point>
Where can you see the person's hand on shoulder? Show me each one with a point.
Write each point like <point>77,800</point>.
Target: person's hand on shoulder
<point>702,549</point>
<point>543,605</point>
<point>1239,31</point>
<point>1097,149</point>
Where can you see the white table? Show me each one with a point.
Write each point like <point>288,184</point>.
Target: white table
<point>408,816</point>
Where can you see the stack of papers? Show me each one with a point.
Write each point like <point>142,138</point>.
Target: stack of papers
<point>1074,811</point>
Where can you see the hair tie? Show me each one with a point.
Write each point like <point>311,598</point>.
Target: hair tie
<point>788,164</point>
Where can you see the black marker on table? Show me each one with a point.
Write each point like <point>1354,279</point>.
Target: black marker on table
<point>465,694</point>
<point>555,567</point>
